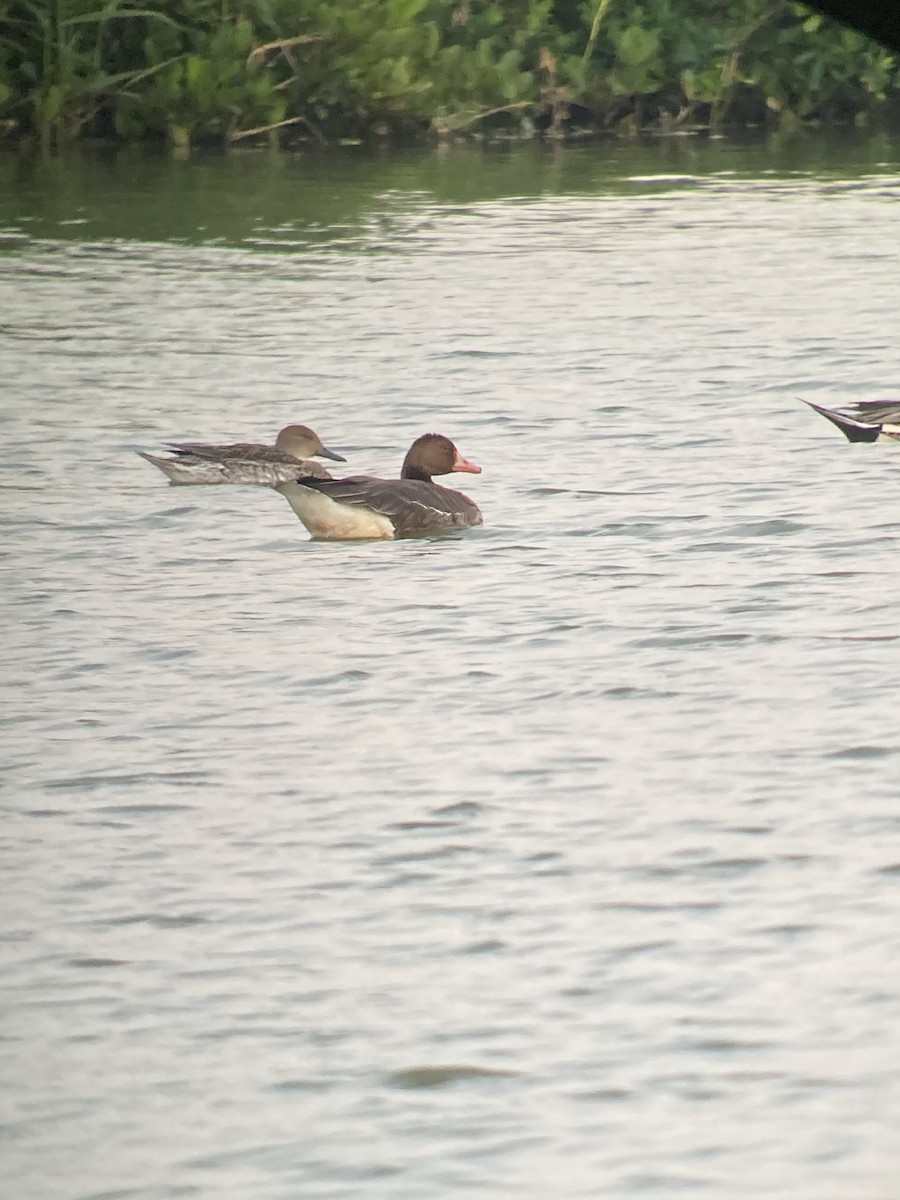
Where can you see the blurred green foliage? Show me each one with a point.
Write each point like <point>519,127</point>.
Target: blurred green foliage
<point>217,70</point>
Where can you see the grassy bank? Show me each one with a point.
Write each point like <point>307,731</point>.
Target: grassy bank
<point>195,71</point>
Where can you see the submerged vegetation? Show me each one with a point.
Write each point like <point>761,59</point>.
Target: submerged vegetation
<point>225,70</point>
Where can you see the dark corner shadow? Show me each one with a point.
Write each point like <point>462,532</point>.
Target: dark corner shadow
<point>872,17</point>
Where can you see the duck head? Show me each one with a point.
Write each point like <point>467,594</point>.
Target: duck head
<point>302,443</point>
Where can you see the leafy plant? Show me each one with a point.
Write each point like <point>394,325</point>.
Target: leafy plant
<point>62,58</point>
<point>195,70</point>
<point>208,92</point>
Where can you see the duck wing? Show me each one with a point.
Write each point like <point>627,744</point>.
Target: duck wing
<point>413,506</point>
<point>238,451</point>
<point>876,412</point>
<point>261,466</point>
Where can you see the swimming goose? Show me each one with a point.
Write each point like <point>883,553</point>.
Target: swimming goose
<point>865,421</point>
<point>363,506</point>
<point>247,462</point>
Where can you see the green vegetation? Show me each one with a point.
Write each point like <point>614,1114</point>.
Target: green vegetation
<point>221,70</point>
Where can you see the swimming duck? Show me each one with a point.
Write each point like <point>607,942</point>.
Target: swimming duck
<point>247,462</point>
<point>363,506</point>
<point>865,421</point>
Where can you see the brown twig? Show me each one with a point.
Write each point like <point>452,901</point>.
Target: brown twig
<point>453,126</point>
<point>277,125</point>
<point>303,39</point>
<point>240,134</point>
<point>148,71</point>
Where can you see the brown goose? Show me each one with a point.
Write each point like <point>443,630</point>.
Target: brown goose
<point>865,421</point>
<point>247,462</point>
<point>363,506</point>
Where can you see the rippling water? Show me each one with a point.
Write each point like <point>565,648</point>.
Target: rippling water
<point>558,859</point>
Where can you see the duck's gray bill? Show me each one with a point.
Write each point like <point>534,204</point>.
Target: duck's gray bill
<point>326,453</point>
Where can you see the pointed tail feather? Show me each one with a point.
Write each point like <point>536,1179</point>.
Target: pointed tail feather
<point>186,470</point>
<point>162,463</point>
<point>853,431</point>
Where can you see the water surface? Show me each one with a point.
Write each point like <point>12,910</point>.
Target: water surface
<point>557,859</point>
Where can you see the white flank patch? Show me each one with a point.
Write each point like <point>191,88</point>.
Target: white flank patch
<point>330,521</point>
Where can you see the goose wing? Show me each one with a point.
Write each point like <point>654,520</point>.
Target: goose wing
<point>412,506</point>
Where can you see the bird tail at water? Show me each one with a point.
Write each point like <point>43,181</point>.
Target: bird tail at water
<point>853,430</point>
<point>186,469</point>
<point>162,463</point>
